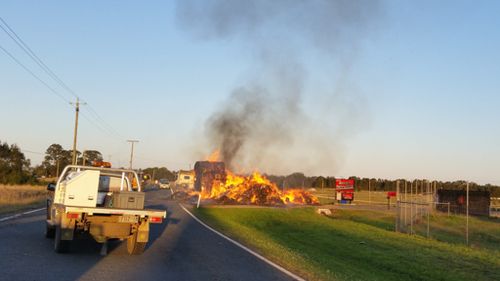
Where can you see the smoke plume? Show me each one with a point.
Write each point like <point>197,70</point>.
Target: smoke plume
<point>263,122</point>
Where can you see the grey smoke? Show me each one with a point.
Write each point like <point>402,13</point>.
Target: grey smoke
<point>263,120</point>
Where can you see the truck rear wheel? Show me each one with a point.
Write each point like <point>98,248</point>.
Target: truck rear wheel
<point>50,231</point>
<point>134,247</point>
<point>60,246</point>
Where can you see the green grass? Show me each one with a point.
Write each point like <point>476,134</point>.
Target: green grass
<point>483,232</point>
<point>353,245</point>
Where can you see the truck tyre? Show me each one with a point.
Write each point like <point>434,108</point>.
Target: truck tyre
<point>134,247</point>
<point>60,246</point>
<point>50,231</point>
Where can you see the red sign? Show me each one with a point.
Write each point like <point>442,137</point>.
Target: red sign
<point>391,194</point>
<point>344,183</point>
<point>347,196</point>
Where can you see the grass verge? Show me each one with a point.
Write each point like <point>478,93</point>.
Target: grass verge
<point>350,246</point>
<point>19,197</point>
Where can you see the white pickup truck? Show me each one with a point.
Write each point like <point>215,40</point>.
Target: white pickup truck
<point>105,202</point>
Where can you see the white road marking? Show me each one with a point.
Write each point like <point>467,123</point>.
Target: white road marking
<point>296,277</point>
<point>20,214</point>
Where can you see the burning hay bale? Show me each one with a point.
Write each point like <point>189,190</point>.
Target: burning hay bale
<point>255,190</point>
<point>208,174</point>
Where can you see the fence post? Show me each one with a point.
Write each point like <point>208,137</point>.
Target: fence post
<point>428,221</point>
<point>467,217</point>
<point>406,190</point>
<point>397,206</point>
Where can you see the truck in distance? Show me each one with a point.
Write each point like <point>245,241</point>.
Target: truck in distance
<point>185,179</point>
<point>164,183</point>
<point>102,202</point>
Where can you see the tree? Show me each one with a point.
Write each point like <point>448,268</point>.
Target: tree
<point>56,158</point>
<point>320,182</point>
<point>159,173</point>
<point>14,167</point>
<point>90,156</point>
<point>295,180</point>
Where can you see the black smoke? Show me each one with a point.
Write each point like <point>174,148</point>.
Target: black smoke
<point>263,120</point>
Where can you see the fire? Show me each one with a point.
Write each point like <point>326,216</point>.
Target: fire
<point>255,189</point>
<point>214,156</point>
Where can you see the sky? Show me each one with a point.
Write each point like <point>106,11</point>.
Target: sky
<point>420,90</point>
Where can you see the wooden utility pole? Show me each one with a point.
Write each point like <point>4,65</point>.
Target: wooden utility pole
<point>77,110</point>
<point>131,152</point>
<point>57,168</point>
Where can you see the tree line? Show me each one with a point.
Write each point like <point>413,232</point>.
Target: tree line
<point>56,158</point>
<point>15,168</point>
<point>298,180</point>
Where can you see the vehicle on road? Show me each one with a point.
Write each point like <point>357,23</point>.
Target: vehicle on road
<point>102,202</point>
<point>164,183</point>
<point>185,179</point>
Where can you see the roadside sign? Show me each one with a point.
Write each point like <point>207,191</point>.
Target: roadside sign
<point>344,190</point>
<point>344,183</point>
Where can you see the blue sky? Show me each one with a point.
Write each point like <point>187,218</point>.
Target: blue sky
<point>425,78</point>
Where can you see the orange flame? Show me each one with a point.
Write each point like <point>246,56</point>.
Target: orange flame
<point>214,156</point>
<point>256,189</point>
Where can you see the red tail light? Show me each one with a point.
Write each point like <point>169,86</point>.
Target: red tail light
<point>155,219</point>
<point>72,215</point>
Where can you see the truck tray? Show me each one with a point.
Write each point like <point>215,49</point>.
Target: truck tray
<point>115,211</point>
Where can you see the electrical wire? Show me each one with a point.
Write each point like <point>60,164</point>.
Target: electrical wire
<point>17,39</point>
<point>162,162</point>
<point>34,75</point>
<point>109,127</point>
<point>34,57</point>
<point>32,152</point>
<point>98,126</point>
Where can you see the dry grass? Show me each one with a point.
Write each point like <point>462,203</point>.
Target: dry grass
<point>16,197</point>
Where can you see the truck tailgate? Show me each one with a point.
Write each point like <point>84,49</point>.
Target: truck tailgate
<point>114,211</point>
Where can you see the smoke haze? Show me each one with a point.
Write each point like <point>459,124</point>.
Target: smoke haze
<point>263,123</point>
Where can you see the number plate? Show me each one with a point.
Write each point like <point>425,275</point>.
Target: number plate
<point>127,219</point>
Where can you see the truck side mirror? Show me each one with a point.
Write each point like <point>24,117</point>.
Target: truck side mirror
<point>51,187</point>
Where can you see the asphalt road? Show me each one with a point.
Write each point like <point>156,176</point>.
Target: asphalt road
<point>179,249</point>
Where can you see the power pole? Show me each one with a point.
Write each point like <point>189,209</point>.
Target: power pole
<point>57,168</point>
<point>131,151</point>
<point>77,110</point>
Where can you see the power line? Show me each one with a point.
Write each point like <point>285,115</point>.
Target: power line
<point>162,162</point>
<point>34,75</point>
<point>34,57</point>
<point>32,152</point>
<point>100,127</point>
<point>109,127</point>
<point>17,39</point>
